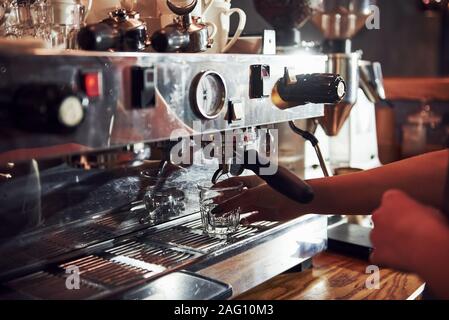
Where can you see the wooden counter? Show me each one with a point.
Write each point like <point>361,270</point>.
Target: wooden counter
<point>417,89</point>
<point>256,265</point>
<point>336,277</point>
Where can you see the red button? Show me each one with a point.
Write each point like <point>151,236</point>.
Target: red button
<point>92,84</point>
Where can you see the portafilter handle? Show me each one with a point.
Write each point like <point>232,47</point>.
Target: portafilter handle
<point>283,180</point>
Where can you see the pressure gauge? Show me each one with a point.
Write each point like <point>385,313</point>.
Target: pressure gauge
<point>208,95</point>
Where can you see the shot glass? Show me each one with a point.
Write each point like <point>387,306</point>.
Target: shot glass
<point>161,200</point>
<point>69,17</point>
<point>226,223</point>
<point>19,23</point>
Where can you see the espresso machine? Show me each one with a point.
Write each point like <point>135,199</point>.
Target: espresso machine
<point>101,156</point>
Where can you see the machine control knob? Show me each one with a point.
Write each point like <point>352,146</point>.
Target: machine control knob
<point>259,81</point>
<point>49,108</point>
<point>292,91</point>
<point>235,111</point>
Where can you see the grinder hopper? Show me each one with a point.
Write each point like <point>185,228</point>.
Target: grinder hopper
<point>340,21</point>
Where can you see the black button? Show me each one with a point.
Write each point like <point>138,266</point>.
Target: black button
<point>260,74</point>
<point>143,88</point>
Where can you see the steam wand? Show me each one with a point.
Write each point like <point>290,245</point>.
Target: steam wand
<point>315,143</point>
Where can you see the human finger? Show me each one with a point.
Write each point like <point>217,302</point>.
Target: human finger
<point>247,181</point>
<point>239,201</point>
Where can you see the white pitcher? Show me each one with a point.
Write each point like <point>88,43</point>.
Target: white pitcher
<point>219,12</point>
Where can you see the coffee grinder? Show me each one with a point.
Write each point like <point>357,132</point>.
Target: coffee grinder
<point>347,133</point>
<point>348,129</point>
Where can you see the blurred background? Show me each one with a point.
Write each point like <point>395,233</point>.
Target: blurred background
<point>409,43</point>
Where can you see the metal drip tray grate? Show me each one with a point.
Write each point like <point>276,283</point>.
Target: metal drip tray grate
<point>190,235</point>
<point>45,248</point>
<point>127,263</point>
<point>101,271</point>
<point>24,255</point>
<point>54,243</point>
<point>43,285</point>
<point>151,255</point>
<point>80,237</point>
<point>130,261</point>
<point>119,222</point>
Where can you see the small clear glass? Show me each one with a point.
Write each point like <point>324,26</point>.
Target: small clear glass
<point>56,22</point>
<point>19,23</point>
<point>161,200</point>
<point>226,223</point>
<point>4,8</point>
<point>68,18</point>
<point>42,16</point>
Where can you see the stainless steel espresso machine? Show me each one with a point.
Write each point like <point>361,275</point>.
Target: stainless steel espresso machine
<point>86,135</point>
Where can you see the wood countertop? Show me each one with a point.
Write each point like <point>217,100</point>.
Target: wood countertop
<point>335,277</point>
<point>417,89</point>
<point>254,266</point>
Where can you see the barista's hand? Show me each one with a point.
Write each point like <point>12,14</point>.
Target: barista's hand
<point>262,202</point>
<point>407,234</point>
<point>249,182</point>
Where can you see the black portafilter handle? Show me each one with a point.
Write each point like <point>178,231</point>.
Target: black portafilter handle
<point>283,181</point>
<point>319,88</point>
<point>170,39</point>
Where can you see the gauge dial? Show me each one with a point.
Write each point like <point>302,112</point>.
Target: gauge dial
<point>208,95</point>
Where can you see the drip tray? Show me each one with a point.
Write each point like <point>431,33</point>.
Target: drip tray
<point>127,264</point>
<point>43,285</point>
<point>178,286</point>
<point>48,246</point>
<point>191,236</point>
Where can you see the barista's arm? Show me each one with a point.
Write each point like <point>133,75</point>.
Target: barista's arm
<point>412,237</point>
<point>423,178</point>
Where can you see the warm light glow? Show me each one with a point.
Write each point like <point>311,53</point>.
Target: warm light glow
<point>92,84</point>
